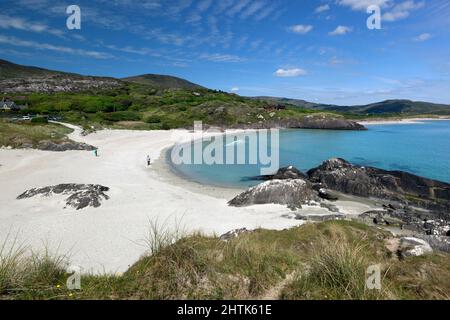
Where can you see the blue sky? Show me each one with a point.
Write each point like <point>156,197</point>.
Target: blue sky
<point>317,50</point>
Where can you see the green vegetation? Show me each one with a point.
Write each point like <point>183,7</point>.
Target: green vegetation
<point>315,261</point>
<point>138,106</point>
<point>30,133</point>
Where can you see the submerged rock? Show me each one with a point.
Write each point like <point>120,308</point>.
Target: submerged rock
<point>293,193</point>
<point>79,197</point>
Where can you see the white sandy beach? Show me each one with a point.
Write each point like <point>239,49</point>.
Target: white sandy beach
<point>111,238</point>
<point>401,121</point>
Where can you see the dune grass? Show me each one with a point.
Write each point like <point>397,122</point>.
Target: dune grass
<point>316,261</point>
<point>26,274</point>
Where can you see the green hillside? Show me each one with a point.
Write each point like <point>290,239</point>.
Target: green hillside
<point>11,70</point>
<point>388,107</point>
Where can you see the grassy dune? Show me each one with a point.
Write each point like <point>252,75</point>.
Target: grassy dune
<point>315,261</point>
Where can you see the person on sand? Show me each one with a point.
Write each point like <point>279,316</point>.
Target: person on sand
<point>149,161</point>
<point>96,152</point>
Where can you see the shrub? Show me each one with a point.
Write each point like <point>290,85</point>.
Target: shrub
<point>153,119</point>
<point>39,120</point>
<point>122,116</point>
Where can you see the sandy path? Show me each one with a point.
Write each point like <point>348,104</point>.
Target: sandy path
<point>110,238</point>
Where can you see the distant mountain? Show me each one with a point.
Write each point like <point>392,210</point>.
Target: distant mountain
<point>15,78</point>
<point>163,82</point>
<point>379,108</point>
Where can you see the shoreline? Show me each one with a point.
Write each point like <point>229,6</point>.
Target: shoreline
<point>168,173</point>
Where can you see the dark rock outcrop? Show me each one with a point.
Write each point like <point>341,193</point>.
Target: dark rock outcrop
<point>325,122</point>
<point>409,218</point>
<point>340,175</point>
<point>79,197</point>
<point>293,193</point>
<point>57,83</point>
<point>308,122</point>
<point>47,145</point>
<point>289,173</point>
<point>328,195</point>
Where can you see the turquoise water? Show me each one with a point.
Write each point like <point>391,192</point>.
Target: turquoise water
<point>422,149</point>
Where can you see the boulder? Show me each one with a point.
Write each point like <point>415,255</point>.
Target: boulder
<point>289,173</point>
<point>293,193</point>
<point>414,247</point>
<point>233,234</point>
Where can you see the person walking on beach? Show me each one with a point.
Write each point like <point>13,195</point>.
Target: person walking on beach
<point>96,152</point>
<point>149,161</point>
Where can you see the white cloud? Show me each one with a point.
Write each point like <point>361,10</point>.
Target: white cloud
<point>7,22</point>
<point>301,29</point>
<point>238,7</point>
<point>363,4</point>
<point>252,9</point>
<point>216,57</point>
<point>402,10</point>
<point>13,41</point>
<point>422,37</point>
<point>234,89</point>
<point>340,31</point>
<point>322,8</point>
<point>290,73</point>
